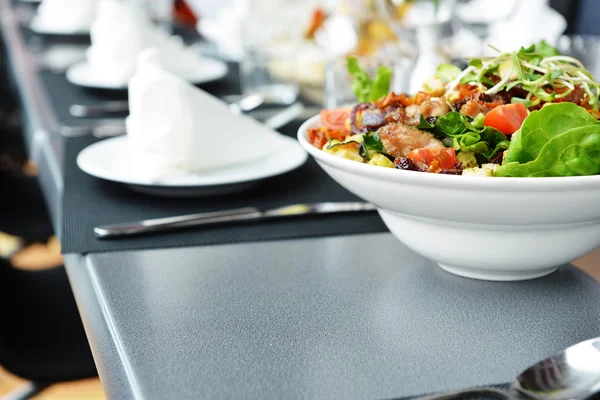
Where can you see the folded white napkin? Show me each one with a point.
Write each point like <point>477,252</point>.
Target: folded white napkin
<point>225,28</point>
<point>175,128</point>
<point>121,32</point>
<point>65,15</point>
<point>118,36</point>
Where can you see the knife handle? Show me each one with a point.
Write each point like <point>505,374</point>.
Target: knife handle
<point>169,223</point>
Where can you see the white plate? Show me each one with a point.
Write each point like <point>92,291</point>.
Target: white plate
<point>38,27</point>
<point>110,160</point>
<point>208,70</point>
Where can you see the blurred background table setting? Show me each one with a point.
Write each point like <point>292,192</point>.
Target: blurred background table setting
<point>138,110</point>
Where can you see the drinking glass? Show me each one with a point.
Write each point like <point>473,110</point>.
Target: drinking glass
<point>158,11</point>
<point>338,82</point>
<point>478,17</point>
<point>269,72</point>
<point>269,62</point>
<point>408,18</point>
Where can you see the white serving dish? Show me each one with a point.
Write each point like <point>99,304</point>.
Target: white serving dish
<point>501,229</point>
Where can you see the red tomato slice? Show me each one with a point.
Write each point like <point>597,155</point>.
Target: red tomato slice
<point>436,159</point>
<point>507,118</point>
<point>335,119</point>
<point>317,138</point>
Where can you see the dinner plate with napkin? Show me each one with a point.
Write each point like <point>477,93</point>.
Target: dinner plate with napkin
<point>119,34</point>
<point>182,141</point>
<point>64,17</point>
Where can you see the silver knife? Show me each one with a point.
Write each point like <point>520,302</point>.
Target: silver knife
<point>210,218</point>
<point>90,110</point>
<point>99,126</point>
<point>111,127</point>
<point>285,116</point>
<point>244,104</point>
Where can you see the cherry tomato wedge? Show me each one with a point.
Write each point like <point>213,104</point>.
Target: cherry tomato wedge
<point>317,137</point>
<point>507,118</point>
<point>436,159</point>
<point>336,119</point>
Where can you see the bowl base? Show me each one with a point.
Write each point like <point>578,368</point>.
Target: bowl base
<point>488,275</point>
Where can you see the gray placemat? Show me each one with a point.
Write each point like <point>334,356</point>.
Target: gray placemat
<point>88,202</point>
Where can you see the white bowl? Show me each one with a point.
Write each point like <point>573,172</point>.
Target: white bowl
<point>500,229</point>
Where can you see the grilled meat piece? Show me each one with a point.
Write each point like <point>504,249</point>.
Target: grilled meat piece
<point>473,108</point>
<point>429,108</point>
<point>399,139</point>
<point>366,117</point>
<point>395,114</point>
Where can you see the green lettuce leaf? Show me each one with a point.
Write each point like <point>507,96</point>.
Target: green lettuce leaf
<point>366,89</point>
<point>543,125</point>
<point>574,153</point>
<point>559,140</point>
<point>371,145</point>
<point>447,72</point>
<point>467,135</point>
<point>381,83</point>
<point>361,83</point>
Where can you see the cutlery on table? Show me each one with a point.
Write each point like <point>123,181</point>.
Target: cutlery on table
<point>247,103</point>
<point>241,104</point>
<point>111,127</point>
<point>573,374</point>
<point>113,106</point>
<point>285,116</point>
<point>241,214</point>
<point>105,127</point>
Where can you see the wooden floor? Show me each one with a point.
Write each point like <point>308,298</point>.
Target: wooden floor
<point>47,255</point>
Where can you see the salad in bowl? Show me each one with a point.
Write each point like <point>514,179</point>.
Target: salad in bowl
<point>491,171</point>
<point>530,113</point>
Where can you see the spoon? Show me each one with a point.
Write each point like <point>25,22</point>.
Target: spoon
<point>573,374</point>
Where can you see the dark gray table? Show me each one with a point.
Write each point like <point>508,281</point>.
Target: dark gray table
<point>346,317</point>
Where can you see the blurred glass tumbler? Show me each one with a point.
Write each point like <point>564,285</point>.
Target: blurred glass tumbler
<point>159,11</point>
<point>338,81</point>
<point>269,72</point>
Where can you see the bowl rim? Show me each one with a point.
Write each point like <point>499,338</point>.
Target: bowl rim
<point>578,183</point>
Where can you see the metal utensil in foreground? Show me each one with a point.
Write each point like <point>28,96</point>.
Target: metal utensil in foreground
<point>573,374</point>
<point>91,110</point>
<point>247,103</point>
<point>285,116</point>
<point>105,127</point>
<point>242,214</point>
<point>111,127</point>
<point>243,104</point>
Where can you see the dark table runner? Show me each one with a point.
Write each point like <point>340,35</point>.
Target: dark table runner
<point>88,202</point>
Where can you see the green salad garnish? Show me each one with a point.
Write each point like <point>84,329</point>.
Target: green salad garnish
<point>558,140</point>
<point>540,70</point>
<point>466,134</point>
<point>366,88</point>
